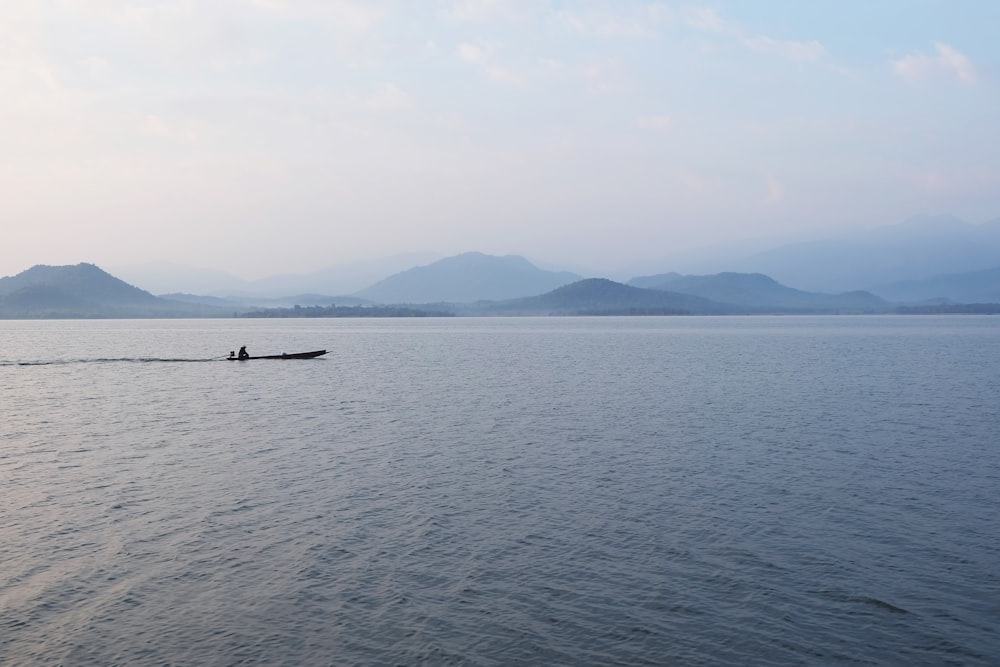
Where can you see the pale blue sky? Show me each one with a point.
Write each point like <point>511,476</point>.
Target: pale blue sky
<point>266,136</point>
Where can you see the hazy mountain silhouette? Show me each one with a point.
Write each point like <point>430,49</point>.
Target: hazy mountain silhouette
<point>917,249</point>
<point>466,278</point>
<point>970,287</point>
<point>920,247</point>
<point>760,292</point>
<point>82,281</point>
<point>82,290</point>
<point>925,260</point>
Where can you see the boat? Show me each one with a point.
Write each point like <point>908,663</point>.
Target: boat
<point>294,355</point>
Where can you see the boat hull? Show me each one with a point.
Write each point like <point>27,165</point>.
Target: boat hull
<point>294,355</point>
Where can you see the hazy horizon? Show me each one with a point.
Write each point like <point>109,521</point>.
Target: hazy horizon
<point>263,137</point>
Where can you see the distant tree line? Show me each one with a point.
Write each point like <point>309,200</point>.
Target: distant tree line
<point>637,311</point>
<point>344,311</point>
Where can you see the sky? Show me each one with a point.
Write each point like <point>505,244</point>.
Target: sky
<point>273,136</point>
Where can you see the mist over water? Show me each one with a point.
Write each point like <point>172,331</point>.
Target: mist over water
<point>759,490</point>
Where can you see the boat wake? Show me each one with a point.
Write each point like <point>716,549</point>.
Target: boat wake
<point>108,360</point>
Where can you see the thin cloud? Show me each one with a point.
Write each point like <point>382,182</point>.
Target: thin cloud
<point>643,23</point>
<point>947,62</point>
<point>707,19</point>
<point>482,11</point>
<point>484,58</point>
<point>471,52</point>
<point>345,15</point>
<point>606,78</point>
<point>810,51</point>
<point>646,22</point>
<point>503,75</point>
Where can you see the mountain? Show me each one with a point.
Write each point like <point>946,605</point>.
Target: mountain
<point>600,296</point>
<point>82,291</point>
<point>466,278</point>
<point>761,293</point>
<point>970,287</point>
<point>82,281</point>
<point>915,249</point>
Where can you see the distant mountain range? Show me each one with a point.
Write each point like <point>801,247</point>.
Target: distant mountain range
<point>872,272</point>
<point>914,250</point>
<point>465,278</point>
<point>84,291</point>
<point>924,258</point>
<point>971,287</point>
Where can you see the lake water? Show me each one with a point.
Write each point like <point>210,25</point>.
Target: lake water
<point>550,491</point>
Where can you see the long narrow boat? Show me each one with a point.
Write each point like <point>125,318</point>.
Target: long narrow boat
<point>294,355</point>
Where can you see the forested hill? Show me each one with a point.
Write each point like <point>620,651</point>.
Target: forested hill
<point>599,296</point>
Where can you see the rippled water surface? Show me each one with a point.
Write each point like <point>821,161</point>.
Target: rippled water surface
<point>501,491</point>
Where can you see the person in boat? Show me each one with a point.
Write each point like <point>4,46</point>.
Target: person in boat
<point>243,353</point>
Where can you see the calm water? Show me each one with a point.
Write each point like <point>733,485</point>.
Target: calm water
<point>501,492</point>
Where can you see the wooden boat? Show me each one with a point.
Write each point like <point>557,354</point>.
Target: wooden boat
<point>294,355</point>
